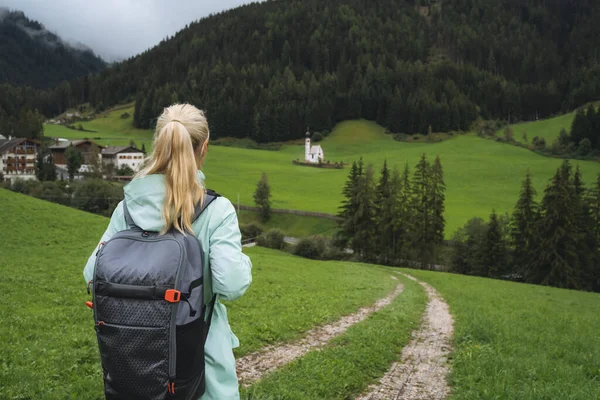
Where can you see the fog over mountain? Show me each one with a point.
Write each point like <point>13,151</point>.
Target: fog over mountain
<point>117,29</point>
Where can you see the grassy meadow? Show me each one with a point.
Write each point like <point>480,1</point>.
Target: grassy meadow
<point>518,341</point>
<point>292,225</point>
<point>512,341</point>
<point>109,127</point>
<point>547,129</point>
<point>480,175</point>
<point>48,344</point>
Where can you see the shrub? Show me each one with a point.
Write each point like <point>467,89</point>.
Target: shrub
<point>314,248</point>
<point>97,196</point>
<point>274,239</point>
<point>125,115</point>
<point>29,187</point>
<point>54,192</point>
<point>401,137</point>
<point>538,143</point>
<point>251,230</point>
<point>585,147</point>
<point>125,171</point>
<point>317,137</point>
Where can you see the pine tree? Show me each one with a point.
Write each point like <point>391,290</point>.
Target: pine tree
<point>74,161</point>
<point>143,148</point>
<point>262,198</point>
<point>423,238</point>
<point>438,198</point>
<point>385,210</point>
<point>523,224</point>
<point>349,208</point>
<point>403,218</point>
<point>495,260</point>
<point>579,126</point>
<point>593,201</point>
<point>44,167</point>
<point>587,247</point>
<point>594,206</point>
<point>555,259</point>
<point>364,241</point>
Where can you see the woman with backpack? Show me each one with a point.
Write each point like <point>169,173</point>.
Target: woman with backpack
<point>162,201</point>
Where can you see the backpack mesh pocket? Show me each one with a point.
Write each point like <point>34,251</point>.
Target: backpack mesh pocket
<point>133,312</point>
<point>142,368</point>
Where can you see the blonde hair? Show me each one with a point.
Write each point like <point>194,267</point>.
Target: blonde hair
<point>180,131</point>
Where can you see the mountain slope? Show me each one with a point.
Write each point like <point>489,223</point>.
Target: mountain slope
<point>268,70</point>
<point>31,55</point>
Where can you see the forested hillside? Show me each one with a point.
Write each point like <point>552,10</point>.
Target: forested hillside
<point>31,55</point>
<point>268,70</point>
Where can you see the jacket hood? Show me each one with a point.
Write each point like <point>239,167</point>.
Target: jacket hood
<point>145,198</point>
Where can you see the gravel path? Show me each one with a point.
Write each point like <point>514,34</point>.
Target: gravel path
<point>253,366</point>
<point>421,373</point>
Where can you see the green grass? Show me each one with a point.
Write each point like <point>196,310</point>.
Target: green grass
<point>48,346</point>
<point>292,225</point>
<point>352,361</point>
<point>110,128</point>
<point>517,341</point>
<point>480,174</point>
<point>548,129</point>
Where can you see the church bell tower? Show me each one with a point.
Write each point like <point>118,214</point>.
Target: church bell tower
<point>307,146</point>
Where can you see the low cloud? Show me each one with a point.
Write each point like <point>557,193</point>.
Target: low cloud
<point>117,29</point>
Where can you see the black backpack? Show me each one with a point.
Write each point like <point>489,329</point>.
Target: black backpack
<point>149,309</point>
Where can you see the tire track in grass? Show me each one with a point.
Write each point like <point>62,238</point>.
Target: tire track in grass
<point>252,367</point>
<point>421,373</point>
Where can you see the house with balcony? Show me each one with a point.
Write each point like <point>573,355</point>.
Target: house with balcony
<point>123,156</point>
<point>17,158</point>
<point>87,148</point>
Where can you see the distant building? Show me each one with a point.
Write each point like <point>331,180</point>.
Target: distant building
<point>17,158</point>
<point>312,154</point>
<point>86,147</point>
<point>125,156</point>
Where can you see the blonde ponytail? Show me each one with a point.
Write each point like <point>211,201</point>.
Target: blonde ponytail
<point>180,131</point>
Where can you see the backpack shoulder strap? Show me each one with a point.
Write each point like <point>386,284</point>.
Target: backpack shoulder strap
<point>209,197</point>
<point>128,219</point>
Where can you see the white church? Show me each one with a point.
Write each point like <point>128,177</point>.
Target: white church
<point>312,154</point>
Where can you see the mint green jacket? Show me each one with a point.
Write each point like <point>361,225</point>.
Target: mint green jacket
<point>218,231</point>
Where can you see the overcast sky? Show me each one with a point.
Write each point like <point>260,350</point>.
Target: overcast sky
<point>117,29</point>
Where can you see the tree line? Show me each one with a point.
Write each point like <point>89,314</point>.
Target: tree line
<point>267,70</point>
<point>396,219</point>
<point>554,242</point>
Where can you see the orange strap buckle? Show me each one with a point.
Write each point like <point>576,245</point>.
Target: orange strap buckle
<point>172,296</point>
<point>89,304</point>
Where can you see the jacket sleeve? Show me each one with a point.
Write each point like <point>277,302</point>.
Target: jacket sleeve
<point>231,269</point>
<point>116,224</point>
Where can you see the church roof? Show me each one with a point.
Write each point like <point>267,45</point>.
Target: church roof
<point>315,149</point>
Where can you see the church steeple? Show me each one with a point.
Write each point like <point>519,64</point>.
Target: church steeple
<point>307,146</point>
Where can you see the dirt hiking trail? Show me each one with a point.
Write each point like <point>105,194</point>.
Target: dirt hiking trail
<point>421,374</point>
<point>253,366</point>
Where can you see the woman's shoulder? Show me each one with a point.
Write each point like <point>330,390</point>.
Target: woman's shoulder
<point>217,212</point>
<point>222,205</point>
